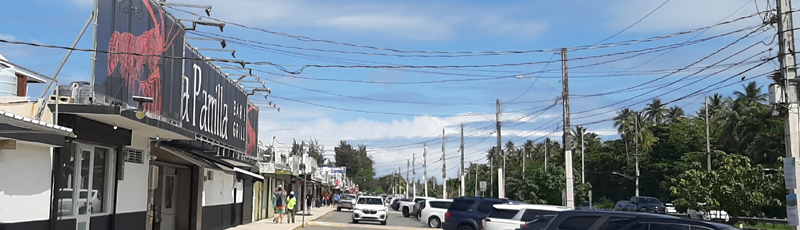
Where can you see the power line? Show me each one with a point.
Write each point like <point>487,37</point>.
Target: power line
<point>637,22</point>
<point>583,47</point>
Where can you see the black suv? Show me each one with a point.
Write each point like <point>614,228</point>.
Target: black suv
<point>599,220</point>
<point>466,213</point>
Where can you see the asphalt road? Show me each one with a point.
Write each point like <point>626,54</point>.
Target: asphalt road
<point>342,220</point>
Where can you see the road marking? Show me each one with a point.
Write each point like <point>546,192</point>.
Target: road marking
<point>351,225</point>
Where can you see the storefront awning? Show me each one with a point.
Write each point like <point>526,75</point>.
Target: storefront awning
<point>17,127</point>
<point>245,172</point>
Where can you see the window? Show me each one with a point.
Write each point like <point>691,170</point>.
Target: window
<point>666,226</point>
<point>503,213</point>
<point>486,206</point>
<point>578,223</point>
<point>617,222</point>
<point>531,214</point>
<point>370,201</point>
<point>460,205</point>
<point>83,182</point>
<point>440,204</point>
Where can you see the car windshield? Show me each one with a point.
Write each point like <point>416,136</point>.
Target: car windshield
<point>349,196</point>
<point>370,200</point>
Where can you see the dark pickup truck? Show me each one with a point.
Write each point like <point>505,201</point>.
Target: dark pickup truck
<point>648,204</point>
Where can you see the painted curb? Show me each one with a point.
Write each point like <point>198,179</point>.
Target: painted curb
<point>312,219</point>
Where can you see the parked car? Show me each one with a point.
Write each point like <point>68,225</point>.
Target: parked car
<point>718,215</point>
<point>407,206</point>
<point>370,208</point>
<point>624,205</point>
<point>347,201</point>
<point>466,213</point>
<point>538,224</point>
<point>85,201</point>
<point>669,208</point>
<point>509,216</point>
<point>434,210</point>
<point>669,224</point>
<point>648,204</point>
<point>598,219</point>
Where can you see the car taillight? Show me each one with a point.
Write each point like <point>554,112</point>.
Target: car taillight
<point>523,226</point>
<point>447,215</point>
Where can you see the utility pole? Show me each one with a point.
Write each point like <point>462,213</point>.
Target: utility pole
<point>567,137</point>
<point>408,179</point>
<point>583,158</point>
<point>414,171</point>
<point>444,167</point>
<point>524,155</point>
<point>500,178</point>
<point>463,173</point>
<point>476,178</point>
<point>708,139</point>
<point>425,167</point>
<point>788,70</point>
<point>546,142</point>
<point>636,142</point>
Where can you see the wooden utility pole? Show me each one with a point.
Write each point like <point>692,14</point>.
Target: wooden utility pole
<point>570,197</point>
<point>462,172</point>
<point>444,167</point>
<point>500,178</point>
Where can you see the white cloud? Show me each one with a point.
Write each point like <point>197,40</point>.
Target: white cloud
<point>419,21</point>
<point>7,37</point>
<point>674,15</point>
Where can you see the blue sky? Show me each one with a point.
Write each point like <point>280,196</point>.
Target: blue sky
<point>419,110</point>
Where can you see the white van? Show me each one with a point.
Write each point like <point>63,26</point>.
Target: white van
<point>511,216</point>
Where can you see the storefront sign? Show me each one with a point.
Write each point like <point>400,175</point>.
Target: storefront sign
<point>149,58</point>
<point>266,167</point>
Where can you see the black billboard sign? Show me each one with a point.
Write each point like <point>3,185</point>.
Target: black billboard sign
<point>127,27</point>
<point>212,104</point>
<point>149,58</point>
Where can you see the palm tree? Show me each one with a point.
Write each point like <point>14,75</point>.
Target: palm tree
<point>621,119</point>
<point>674,114</point>
<point>751,96</point>
<point>655,112</point>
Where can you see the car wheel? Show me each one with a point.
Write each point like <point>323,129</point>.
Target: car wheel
<point>405,212</point>
<point>355,221</point>
<point>338,209</point>
<point>419,216</point>
<point>434,222</point>
<point>465,227</point>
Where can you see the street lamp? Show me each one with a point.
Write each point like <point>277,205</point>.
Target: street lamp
<point>629,178</point>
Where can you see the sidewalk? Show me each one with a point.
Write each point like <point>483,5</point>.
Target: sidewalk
<point>267,223</point>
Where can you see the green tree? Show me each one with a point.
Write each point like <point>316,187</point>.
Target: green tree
<point>735,185</point>
<point>655,112</point>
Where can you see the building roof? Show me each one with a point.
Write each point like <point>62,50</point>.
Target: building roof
<point>31,78</point>
<point>34,125</point>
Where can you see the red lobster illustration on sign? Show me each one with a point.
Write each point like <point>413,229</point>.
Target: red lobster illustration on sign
<point>149,45</point>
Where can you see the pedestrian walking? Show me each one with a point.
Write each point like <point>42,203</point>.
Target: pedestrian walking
<point>309,201</point>
<point>290,207</point>
<point>336,200</point>
<point>280,204</point>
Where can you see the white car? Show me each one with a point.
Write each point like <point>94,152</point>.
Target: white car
<point>718,215</point>
<point>370,208</point>
<point>407,207</point>
<point>84,201</point>
<point>670,208</point>
<point>511,216</point>
<point>433,212</point>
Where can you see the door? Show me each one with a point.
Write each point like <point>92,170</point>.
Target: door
<point>82,196</point>
<point>168,200</point>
